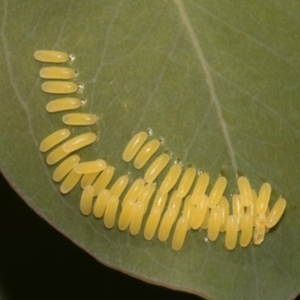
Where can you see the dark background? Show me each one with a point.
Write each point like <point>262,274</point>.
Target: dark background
<point>37,262</point>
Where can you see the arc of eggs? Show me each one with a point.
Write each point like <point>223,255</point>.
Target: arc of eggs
<point>199,210</point>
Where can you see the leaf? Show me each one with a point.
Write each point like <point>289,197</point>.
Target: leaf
<point>218,81</point>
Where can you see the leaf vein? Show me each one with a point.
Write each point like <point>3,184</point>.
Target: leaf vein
<point>214,98</point>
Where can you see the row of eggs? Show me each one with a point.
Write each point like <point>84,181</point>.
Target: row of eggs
<point>250,212</point>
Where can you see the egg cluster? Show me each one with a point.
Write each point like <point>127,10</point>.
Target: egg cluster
<point>175,203</point>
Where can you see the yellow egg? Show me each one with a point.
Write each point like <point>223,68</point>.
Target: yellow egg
<point>53,139</point>
<point>60,87</point>
<point>155,214</point>
<point>166,224</point>
<point>214,223</point>
<point>86,200</point>
<point>134,191</point>
<point>119,186</point>
<point>156,167</point>
<point>276,213</point>
<point>180,233</point>
<point>169,217</point>
<point>252,208</point>
<point>125,215</point>
<point>146,194</point>
<point>69,182</point>
<point>56,155</point>
<point>78,142</point>
<point>79,119</point>
<point>100,203</point>
<point>111,212</point>
<point>171,178</point>
<point>90,166</point>
<point>238,209</point>
<point>187,210</point>
<point>186,182</point>
<point>62,104</point>
<point>263,199</point>
<point>199,211</point>
<point>224,213</point>
<point>200,187</point>
<point>231,232</point>
<point>57,73</point>
<point>247,230</point>
<point>145,153</point>
<point>217,191</point>
<point>136,218</point>
<point>205,221</point>
<point>245,191</point>
<point>152,223</point>
<point>65,167</point>
<point>134,146</point>
<point>160,200</point>
<point>51,56</point>
<point>103,180</point>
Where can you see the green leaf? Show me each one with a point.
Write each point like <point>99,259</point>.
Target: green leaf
<point>217,80</point>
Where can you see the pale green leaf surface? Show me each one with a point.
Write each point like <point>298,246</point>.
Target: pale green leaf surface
<point>218,80</point>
